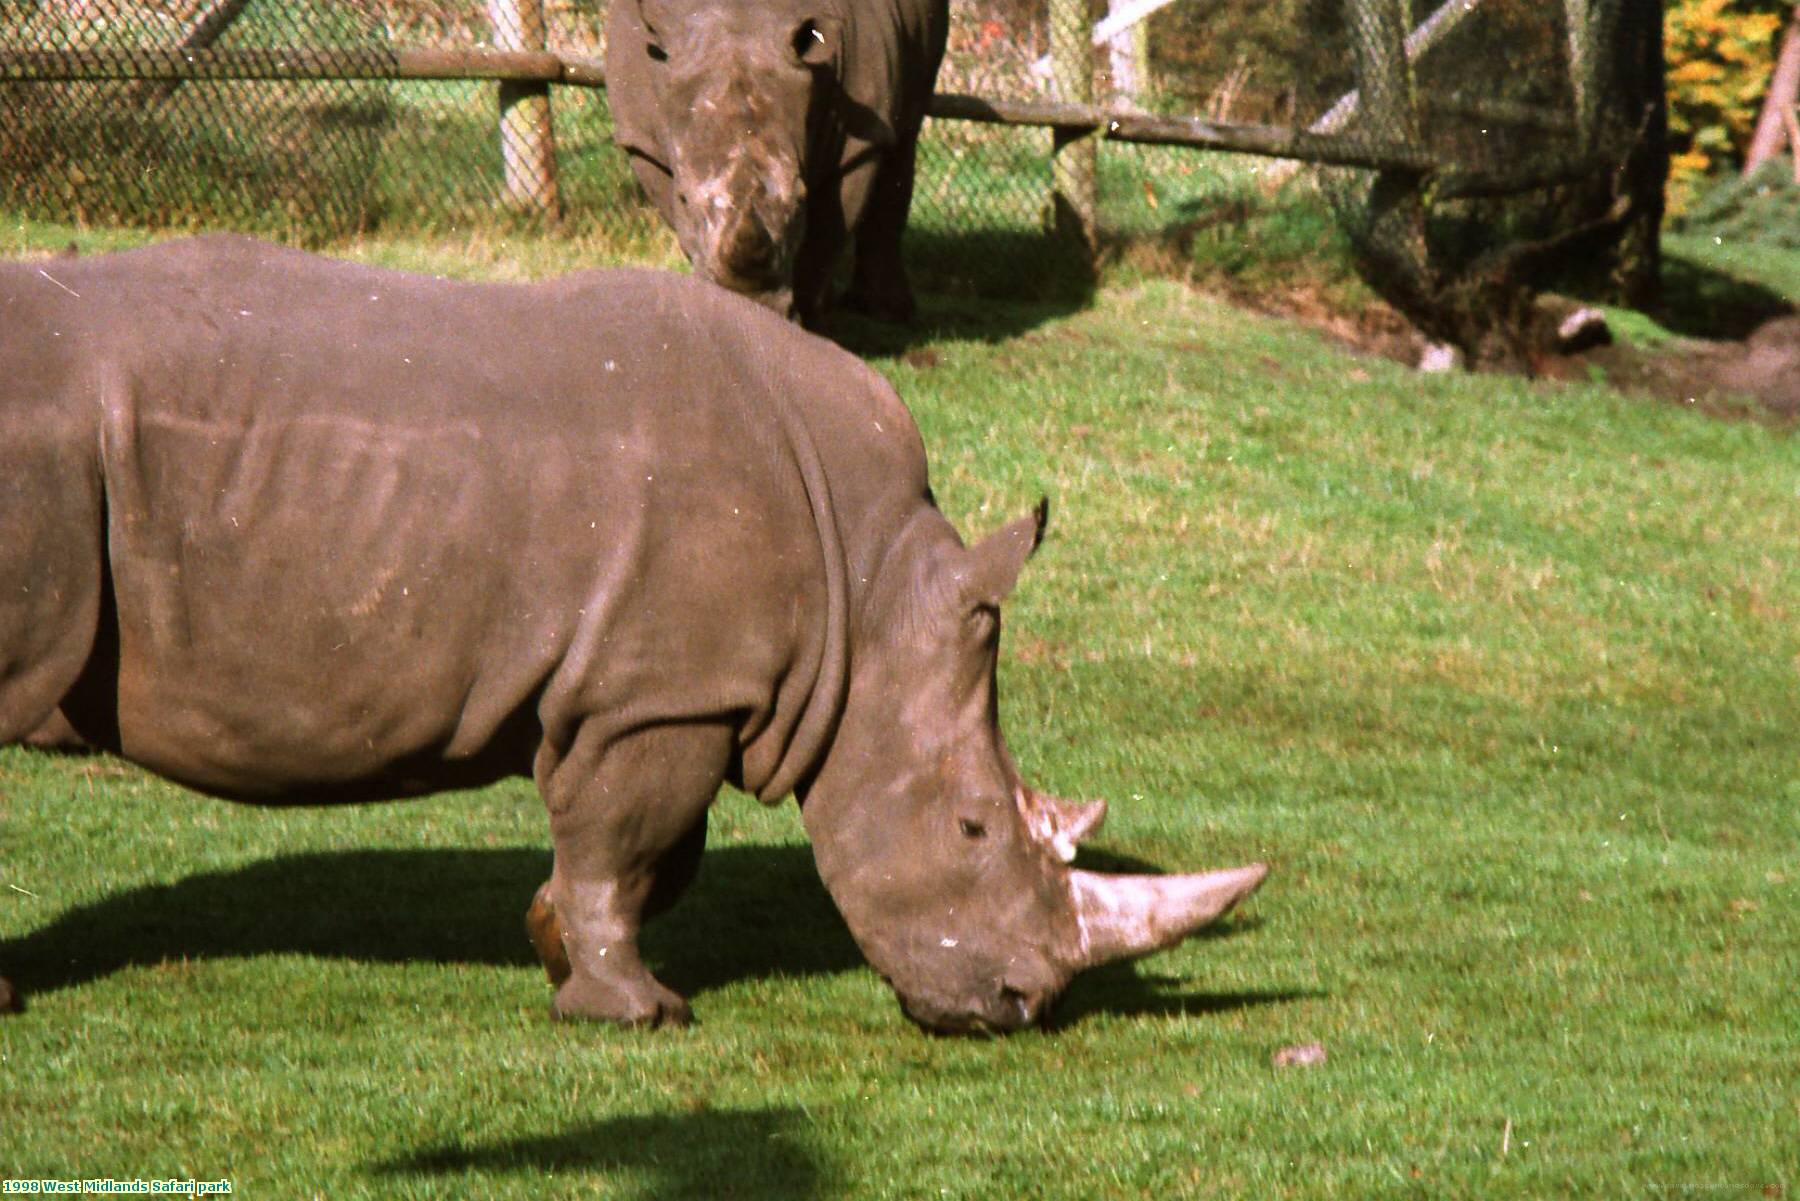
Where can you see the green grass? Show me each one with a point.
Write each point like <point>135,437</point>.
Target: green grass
<point>1714,287</point>
<point>1778,273</point>
<point>1501,678</point>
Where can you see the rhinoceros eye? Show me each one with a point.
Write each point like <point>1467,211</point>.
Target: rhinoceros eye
<point>809,43</point>
<point>972,828</point>
<point>657,53</point>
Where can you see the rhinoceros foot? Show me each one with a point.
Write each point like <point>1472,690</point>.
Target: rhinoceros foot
<point>623,1000</point>
<point>10,999</point>
<point>888,300</point>
<point>56,734</point>
<point>629,996</point>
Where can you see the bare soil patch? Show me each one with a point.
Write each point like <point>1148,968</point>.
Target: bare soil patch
<point>1757,376</point>
<point>1716,375</point>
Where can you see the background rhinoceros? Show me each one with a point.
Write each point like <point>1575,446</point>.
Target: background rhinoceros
<point>303,531</point>
<point>769,131</point>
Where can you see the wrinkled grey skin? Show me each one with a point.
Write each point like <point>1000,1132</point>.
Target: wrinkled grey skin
<point>768,132</point>
<point>288,530</point>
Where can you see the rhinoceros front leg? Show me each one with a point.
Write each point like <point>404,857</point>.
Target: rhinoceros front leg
<point>627,819</point>
<point>879,287</point>
<point>673,873</point>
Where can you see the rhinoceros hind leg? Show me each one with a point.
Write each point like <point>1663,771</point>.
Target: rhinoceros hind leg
<point>628,819</point>
<point>10,1000</point>
<point>52,535</point>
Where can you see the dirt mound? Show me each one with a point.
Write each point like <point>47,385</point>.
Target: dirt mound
<point>1758,377</point>
<point>1768,366</point>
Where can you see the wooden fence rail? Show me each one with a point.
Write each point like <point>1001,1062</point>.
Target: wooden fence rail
<point>1069,121</point>
<point>162,63</point>
<point>545,66</point>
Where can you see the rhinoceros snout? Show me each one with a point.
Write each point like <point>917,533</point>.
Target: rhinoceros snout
<point>740,228</point>
<point>1008,1010</point>
<point>747,251</point>
<point>1021,996</point>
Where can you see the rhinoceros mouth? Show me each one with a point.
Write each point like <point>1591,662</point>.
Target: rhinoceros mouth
<point>1008,1011</point>
<point>767,293</point>
<point>1119,917</point>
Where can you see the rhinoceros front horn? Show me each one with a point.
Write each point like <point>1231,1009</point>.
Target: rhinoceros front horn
<point>1122,917</point>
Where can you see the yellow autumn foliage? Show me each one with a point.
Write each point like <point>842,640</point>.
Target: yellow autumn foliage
<point>1719,53</point>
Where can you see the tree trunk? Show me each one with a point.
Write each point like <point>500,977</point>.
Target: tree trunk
<point>1643,95</point>
<point>1784,94</point>
<point>1128,58</point>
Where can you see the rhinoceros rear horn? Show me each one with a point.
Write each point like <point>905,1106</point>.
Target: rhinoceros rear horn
<point>994,563</point>
<point>1122,916</point>
<point>814,41</point>
<point>1057,824</point>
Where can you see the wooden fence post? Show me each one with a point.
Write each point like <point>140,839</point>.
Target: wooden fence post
<point>527,140</point>
<point>1074,156</point>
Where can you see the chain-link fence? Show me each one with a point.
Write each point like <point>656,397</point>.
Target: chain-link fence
<point>1493,88</point>
<point>307,159</point>
<point>980,196</point>
<point>1550,116</point>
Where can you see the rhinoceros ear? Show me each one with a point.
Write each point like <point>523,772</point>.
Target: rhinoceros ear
<point>815,41</point>
<point>994,563</point>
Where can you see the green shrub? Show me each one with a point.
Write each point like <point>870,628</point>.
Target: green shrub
<point>1763,208</point>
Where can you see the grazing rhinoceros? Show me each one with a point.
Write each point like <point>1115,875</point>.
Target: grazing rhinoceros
<point>769,131</point>
<point>285,529</point>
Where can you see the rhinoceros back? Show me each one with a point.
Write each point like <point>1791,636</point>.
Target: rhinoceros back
<point>367,531</point>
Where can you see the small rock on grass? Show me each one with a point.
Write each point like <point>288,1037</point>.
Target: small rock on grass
<point>1440,356</point>
<point>1300,1055</point>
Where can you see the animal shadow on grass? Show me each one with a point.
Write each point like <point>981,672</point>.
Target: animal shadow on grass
<point>1702,302</point>
<point>435,906</point>
<point>468,906</point>
<point>975,286</point>
<point>760,1152</point>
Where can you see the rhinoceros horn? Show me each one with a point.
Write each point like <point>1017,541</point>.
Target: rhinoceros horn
<point>1059,824</point>
<point>1124,916</point>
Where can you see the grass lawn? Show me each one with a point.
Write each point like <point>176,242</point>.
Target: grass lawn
<point>1502,678</point>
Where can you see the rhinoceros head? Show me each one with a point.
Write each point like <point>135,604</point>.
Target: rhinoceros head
<point>924,832</point>
<point>740,89</point>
